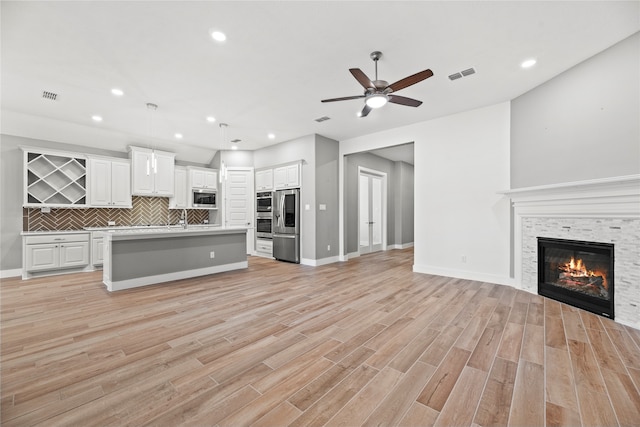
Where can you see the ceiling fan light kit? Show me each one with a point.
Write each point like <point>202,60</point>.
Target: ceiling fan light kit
<point>378,92</point>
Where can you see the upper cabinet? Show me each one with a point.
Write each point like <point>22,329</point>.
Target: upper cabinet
<point>203,178</point>
<point>109,183</point>
<point>152,172</point>
<point>264,180</point>
<point>286,176</point>
<point>179,199</point>
<point>54,179</point>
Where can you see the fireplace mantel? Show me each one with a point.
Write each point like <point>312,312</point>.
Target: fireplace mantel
<point>606,210</point>
<point>617,197</point>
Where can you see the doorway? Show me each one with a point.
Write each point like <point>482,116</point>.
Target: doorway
<point>372,208</point>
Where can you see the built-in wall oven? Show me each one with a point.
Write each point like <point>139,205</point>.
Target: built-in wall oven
<point>264,200</point>
<point>264,225</point>
<point>264,215</point>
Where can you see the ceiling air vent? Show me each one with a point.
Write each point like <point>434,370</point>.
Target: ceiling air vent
<point>322,119</point>
<point>463,73</point>
<point>235,141</point>
<point>468,72</point>
<point>49,95</point>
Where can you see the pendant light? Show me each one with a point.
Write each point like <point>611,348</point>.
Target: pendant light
<point>223,138</point>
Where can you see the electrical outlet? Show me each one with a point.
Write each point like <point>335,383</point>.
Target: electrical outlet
<point>328,247</point>
<point>212,254</point>
<point>111,223</point>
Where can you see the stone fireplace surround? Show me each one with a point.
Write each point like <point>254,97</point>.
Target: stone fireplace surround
<point>603,210</point>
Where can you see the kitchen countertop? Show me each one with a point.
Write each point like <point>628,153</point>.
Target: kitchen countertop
<point>115,228</point>
<point>164,232</point>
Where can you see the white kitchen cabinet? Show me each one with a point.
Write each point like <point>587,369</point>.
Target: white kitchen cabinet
<point>109,183</point>
<point>152,172</point>
<point>203,178</point>
<point>50,251</point>
<point>264,247</point>
<point>97,250</point>
<point>264,180</point>
<point>55,179</point>
<point>286,176</point>
<point>179,199</point>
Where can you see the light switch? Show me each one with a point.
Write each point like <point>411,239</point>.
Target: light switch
<point>307,207</point>
<point>323,207</point>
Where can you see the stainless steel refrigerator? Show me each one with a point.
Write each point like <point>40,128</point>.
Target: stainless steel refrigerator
<point>286,228</point>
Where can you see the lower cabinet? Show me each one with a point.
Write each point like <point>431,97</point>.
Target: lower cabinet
<point>97,250</point>
<point>264,247</point>
<point>42,253</point>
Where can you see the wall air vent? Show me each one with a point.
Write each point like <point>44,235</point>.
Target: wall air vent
<point>468,72</point>
<point>49,95</point>
<point>322,119</point>
<point>455,76</point>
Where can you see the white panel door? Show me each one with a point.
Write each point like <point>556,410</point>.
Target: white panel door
<point>371,207</point>
<point>120,184</point>
<point>239,202</point>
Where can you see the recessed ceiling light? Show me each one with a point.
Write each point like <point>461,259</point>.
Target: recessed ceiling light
<point>218,36</point>
<point>234,147</point>
<point>528,63</point>
<point>178,135</point>
<point>117,92</point>
<point>271,136</point>
<point>211,119</point>
<point>96,118</point>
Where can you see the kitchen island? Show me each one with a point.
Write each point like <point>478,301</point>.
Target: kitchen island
<point>141,257</point>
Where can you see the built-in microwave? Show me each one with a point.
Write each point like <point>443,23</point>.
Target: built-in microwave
<point>264,199</point>
<point>204,198</point>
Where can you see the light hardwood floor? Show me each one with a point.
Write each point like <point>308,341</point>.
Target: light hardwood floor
<point>366,342</point>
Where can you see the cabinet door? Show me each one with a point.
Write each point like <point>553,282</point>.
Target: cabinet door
<point>97,251</point>
<point>264,180</point>
<point>293,176</point>
<point>100,182</point>
<point>197,179</point>
<point>164,174</point>
<point>142,176</point>
<point>210,180</point>
<point>74,254</point>
<point>120,184</point>
<point>42,257</point>
<point>180,191</point>
<point>279,177</point>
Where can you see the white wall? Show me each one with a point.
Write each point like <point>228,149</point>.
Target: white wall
<point>461,162</point>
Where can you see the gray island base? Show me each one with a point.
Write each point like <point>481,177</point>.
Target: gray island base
<point>134,258</point>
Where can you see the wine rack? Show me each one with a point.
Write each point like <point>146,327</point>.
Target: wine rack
<point>55,180</point>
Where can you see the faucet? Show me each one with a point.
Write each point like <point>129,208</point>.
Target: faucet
<point>184,219</point>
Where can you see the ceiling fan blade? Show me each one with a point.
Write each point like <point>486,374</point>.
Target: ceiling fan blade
<point>345,98</point>
<point>365,111</point>
<point>403,100</point>
<point>411,80</point>
<point>362,78</point>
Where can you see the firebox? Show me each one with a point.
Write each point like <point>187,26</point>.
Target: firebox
<point>577,273</point>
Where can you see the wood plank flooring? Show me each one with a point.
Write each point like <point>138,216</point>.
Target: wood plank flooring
<point>367,342</point>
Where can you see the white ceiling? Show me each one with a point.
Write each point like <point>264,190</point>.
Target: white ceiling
<point>280,59</point>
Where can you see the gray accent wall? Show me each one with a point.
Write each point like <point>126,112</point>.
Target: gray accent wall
<point>582,124</point>
<point>400,200</point>
<point>327,236</point>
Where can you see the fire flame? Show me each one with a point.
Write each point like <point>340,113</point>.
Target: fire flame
<point>576,268</point>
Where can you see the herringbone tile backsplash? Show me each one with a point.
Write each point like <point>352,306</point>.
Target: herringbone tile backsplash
<point>145,211</point>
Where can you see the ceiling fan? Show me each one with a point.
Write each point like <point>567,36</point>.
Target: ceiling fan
<point>378,92</point>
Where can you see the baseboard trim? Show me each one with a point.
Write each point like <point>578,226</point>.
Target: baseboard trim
<point>318,262</point>
<point>162,278</point>
<point>4,274</point>
<point>461,274</point>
